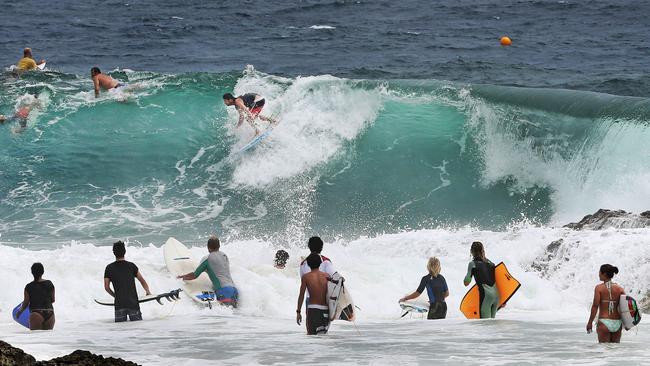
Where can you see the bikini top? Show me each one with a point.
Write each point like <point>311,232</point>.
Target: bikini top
<point>611,307</point>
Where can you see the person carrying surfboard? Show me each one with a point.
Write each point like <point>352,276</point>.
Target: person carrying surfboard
<point>39,296</point>
<point>249,107</point>
<point>27,62</point>
<point>122,275</point>
<point>482,269</point>
<point>606,298</point>
<point>437,290</point>
<point>217,265</point>
<point>315,245</point>
<point>315,281</point>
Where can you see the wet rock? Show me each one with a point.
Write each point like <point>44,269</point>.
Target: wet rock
<point>619,219</point>
<point>11,356</point>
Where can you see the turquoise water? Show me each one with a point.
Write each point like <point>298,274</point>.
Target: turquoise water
<point>349,157</point>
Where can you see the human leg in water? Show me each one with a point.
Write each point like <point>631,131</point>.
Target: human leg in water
<point>489,301</point>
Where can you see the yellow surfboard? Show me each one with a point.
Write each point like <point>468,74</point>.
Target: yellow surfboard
<point>506,285</point>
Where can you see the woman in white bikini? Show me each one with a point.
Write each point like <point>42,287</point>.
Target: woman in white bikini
<point>606,298</point>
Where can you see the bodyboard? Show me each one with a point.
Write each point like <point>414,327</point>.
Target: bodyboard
<point>507,285</point>
<point>179,261</point>
<point>24,317</point>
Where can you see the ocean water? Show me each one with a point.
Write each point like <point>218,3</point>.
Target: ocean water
<point>405,132</point>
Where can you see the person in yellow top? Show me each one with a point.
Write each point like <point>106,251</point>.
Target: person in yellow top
<point>27,62</point>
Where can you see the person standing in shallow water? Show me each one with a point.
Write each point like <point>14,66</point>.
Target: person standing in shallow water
<point>39,296</point>
<point>437,290</point>
<point>122,275</point>
<point>482,269</point>
<point>606,298</point>
<point>314,281</point>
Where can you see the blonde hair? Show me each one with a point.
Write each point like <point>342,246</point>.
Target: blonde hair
<point>433,265</point>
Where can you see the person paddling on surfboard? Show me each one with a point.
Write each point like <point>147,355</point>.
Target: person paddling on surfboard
<point>27,62</point>
<point>217,265</point>
<point>122,275</point>
<point>39,296</point>
<point>606,298</point>
<point>103,81</point>
<point>249,107</point>
<point>437,290</point>
<point>315,281</point>
<point>483,271</point>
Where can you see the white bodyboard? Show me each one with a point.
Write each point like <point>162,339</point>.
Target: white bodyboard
<point>179,261</point>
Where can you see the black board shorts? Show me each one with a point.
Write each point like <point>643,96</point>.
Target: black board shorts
<point>132,314</point>
<point>318,321</point>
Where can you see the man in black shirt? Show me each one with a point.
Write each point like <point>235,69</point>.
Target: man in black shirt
<point>122,274</point>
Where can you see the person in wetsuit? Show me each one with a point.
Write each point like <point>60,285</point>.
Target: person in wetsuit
<point>249,106</point>
<point>606,298</point>
<point>482,269</point>
<point>39,296</point>
<point>437,290</point>
<point>122,275</point>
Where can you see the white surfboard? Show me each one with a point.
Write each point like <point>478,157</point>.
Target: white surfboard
<point>179,261</point>
<point>339,301</point>
<point>416,307</point>
<point>41,66</point>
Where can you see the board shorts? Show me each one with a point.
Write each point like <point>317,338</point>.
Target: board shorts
<point>318,319</point>
<point>227,295</point>
<point>133,315</point>
<point>257,107</point>
<point>437,310</point>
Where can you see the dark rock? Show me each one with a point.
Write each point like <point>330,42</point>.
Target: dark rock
<point>618,219</point>
<point>11,356</point>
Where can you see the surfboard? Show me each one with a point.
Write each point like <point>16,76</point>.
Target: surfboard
<point>256,140</point>
<point>414,307</point>
<point>629,310</point>
<point>506,285</point>
<point>179,261</point>
<point>339,301</point>
<point>169,296</point>
<point>23,319</point>
<point>41,66</point>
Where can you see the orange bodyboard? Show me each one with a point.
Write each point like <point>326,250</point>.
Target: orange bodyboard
<point>506,285</point>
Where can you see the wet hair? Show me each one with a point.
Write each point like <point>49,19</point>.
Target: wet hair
<point>608,270</point>
<point>315,244</point>
<point>433,266</point>
<point>37,270</point>
<point>119,249</point>
<point>281,258</point>
<point>213,243</point>
<point>95,70</point>
<point>27,52</point>
<point>477,250</point>
<point>314,261</point>
<point>228,96</point>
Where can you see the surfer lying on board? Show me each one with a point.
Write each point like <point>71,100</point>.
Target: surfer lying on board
<point>249,106</point>
<point>315,281</point>
<point>122,275</point>
<point>27,62</point>
<point>437,290</point>
<point>483,271</point>
<point>103,81</point>
<point>39,296</point>
<point>606,298</point>
<point>217,265</point>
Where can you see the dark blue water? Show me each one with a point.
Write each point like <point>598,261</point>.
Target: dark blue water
<point>590,45</point>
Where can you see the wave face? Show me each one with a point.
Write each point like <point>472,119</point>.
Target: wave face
<point>349,158</point>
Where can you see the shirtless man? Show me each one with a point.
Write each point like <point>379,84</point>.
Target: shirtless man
<point>317,311</point>
<point>103,81</point>
<point>606,298</point>
<point>249,106</point>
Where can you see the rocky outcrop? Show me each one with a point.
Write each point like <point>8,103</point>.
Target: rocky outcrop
<point>11,356</point>
<point>618,219</point>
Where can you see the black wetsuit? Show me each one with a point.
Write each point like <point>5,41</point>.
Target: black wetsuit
<point>436,288</point>
<point>40,298</point>
<point>249,101</point>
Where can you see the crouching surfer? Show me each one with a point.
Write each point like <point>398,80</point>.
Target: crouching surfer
<point>482,269</point>
<point>122,275</point>
<point>437,290</point>
<point>217,265</point>
<point>315,282</point>
<point>39,296</point>
<point>606,298</point>
<point>249,107</point>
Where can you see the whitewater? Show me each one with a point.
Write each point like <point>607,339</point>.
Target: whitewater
<point>388,172</point>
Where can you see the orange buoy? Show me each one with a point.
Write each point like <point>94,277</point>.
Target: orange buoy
<point>506,41</point>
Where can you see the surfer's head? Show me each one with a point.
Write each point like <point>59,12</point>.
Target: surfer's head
<point>314,261</point>
<point>95,71</point>
<point>433,266</point>
<point>281,258</point>
<point>213,244</point>
<point>27,52</point>
<point>119,249</point>
<point>477,251</point>
<point>37,270</point>
<point>315,244</point>
<point>228,99</point>
<point>607,271</point>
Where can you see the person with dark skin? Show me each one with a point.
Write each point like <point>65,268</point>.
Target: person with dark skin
<point>102,81</point>
<point>606,298</point>
<point>281,258</point>
<point>482,269</point>
<point>39,296</point>
<point>249,107</point>
<point>437,289</point>
<point>315,282</point>
<point>122,275</point>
